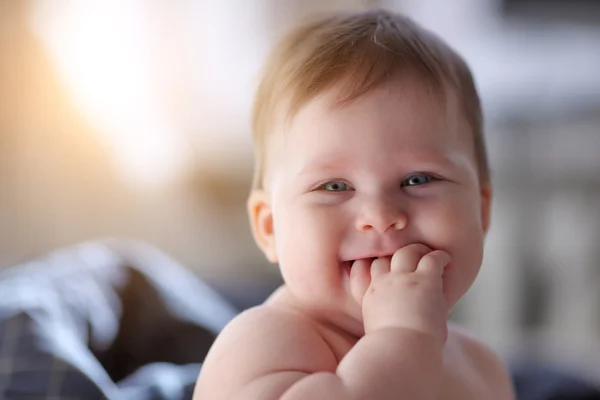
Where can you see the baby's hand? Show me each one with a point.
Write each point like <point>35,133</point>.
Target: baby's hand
<point>406,291</point>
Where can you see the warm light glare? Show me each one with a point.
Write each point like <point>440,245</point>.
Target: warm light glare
<point>102,50</point>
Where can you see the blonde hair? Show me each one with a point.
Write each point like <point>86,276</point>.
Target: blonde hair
<point>361,50</point>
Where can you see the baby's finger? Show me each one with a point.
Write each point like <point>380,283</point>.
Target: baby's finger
<point>380,266</point>
<point>359,280</point>
<point>434,263</point>
<point>407,258</point>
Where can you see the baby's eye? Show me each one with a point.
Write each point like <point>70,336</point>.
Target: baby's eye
<point>335,186</point>
<point>416,180</point>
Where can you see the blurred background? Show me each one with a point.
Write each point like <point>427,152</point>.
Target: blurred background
<point>131,119</point>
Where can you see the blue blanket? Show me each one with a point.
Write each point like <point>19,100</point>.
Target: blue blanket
<point>109,319</point>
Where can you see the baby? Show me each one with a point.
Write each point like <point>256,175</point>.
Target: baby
<point>372,193</point>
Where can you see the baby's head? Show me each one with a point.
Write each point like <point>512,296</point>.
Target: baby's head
<point>368,137</point>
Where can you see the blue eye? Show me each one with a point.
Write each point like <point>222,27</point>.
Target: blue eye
<point>335,186</point>
<point>418,179</point>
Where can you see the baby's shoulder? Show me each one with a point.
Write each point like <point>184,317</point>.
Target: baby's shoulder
<point>277,319</point>
<point>269,324</point>
<point>263,344</point>
<point>474,362</point>
<point>272,337</point>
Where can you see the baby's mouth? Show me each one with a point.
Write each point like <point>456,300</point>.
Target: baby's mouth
<point>347,265</point>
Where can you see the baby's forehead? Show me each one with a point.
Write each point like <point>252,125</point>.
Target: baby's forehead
<point>401,103</point>
<point>407,89</point>
<point>328,112</point>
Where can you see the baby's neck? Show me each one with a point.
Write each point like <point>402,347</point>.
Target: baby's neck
<point>334,320</point>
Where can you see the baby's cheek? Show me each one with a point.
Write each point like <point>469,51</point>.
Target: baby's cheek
<point>307,234</point>
<point>452,230</point>
<point>441,225</point>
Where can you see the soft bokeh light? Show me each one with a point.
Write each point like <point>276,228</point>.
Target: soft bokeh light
<point>102,52</point>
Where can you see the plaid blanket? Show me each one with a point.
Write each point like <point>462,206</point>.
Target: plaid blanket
<point>111,319</point>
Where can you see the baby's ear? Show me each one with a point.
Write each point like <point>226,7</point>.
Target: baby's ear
<point>486,206</point>
<point>261,222</point>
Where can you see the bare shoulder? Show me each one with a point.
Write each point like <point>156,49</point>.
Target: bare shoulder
<point>481,364</point>
<point>265,349</point>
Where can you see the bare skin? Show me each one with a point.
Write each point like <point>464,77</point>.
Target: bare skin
<point>406,351</point>
<point>376,217</point>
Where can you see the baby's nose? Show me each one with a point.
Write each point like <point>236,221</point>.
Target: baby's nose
<point>381,217</point>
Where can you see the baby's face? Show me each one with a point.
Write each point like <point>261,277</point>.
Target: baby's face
<point>394,167</point>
